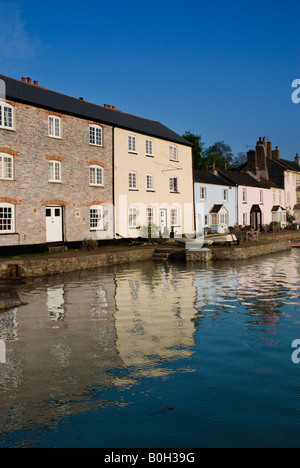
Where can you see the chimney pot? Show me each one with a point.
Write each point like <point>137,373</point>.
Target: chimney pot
<point>23,79</point>
<point>81,98</point>
<point>35,83</point>
<point>29,80</point>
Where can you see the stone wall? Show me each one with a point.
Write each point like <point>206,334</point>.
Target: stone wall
<point>243,253</point>
<point>30,190</point>
<point>36,267</point>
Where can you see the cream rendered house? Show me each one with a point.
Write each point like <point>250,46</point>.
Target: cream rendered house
<point>153,180</point>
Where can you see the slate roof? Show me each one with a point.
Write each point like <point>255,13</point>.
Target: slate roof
<point>217,209</point>
<point>40,97</point>
<point>277,208</point>
<point>241,178</point>
<point>276,172</point>
<point>209,178</point>
<point>289,165</point>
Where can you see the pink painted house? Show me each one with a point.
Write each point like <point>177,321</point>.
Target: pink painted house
<point>253,199</point>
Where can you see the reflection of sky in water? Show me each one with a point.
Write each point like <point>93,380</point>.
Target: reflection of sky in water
<point>82,335</point>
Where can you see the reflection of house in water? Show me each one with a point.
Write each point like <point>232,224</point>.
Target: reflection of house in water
<point>59,347</point>
<point>56,302</point>
<point>264,291</point>
<point>215,290</point>
<point>261,286</point>
<point>155,308</point>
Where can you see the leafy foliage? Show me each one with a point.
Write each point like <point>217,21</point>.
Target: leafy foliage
<point>219,153</point>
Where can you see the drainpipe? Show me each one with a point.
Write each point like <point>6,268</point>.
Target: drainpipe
<point>237,204</point>
<point>113,182</point>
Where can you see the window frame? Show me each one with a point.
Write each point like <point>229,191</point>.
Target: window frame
<point>175,186</point>
<point>132,144</point>
<point>95,128</point>
<point>3,106</point>
<point>149,147</point>
<point>261,197</point>
<point>174,218</point>
<point>12,208</point>
<point>225,195</point>
<point>133,214</point>
<point>53,133</point>
<point>173,153</point>
<point>214,217</point>
<point>244,195</point>
<point>99,209</point>
<point>2,174</point>
<point>55,164</point>
<point>202,193</point>
<point>132,177</point>
<point>96,168</point>
<point>150,183</point>
<point>150,218</point>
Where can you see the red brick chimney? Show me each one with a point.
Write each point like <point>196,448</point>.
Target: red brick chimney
<point>252,158</point>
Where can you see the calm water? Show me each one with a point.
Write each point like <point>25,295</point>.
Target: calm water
<point>155,355</point>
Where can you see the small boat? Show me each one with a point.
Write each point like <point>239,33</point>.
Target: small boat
<point>227,240</point>
<point>296,246</point>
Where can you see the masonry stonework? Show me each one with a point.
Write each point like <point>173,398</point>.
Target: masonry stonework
<point>30,190</point>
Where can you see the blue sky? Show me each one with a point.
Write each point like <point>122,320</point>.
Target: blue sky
<point>220,69</point>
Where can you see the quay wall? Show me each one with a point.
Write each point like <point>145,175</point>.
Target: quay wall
<point>36,267</point>
<point>43,266</point>
<point>243,253</point>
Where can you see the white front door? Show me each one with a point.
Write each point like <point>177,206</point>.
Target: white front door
<point>163,221</point>
<point>54,231</point>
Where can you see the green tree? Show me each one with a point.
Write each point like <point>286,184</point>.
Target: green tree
<point>240,159</point>
<point>219,153</point>
<point>197,151</point>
